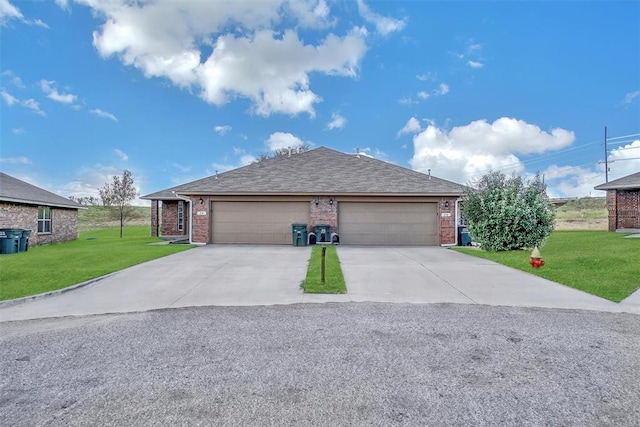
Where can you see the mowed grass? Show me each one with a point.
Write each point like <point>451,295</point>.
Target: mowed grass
<point>94,254</point>
<point>598,262</point>
<point>334,281</point>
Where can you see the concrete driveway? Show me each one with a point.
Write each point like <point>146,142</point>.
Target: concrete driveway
<point>228,275</point>
<point>439,275</point>
<point>207,275</point>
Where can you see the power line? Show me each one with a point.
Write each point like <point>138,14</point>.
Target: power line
<point>624,136</point>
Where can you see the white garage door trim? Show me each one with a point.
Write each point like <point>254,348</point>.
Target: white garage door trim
<point>388,223</point>
<point>262,222</point>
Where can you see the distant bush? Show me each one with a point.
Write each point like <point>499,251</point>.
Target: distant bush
<point>508,213</point>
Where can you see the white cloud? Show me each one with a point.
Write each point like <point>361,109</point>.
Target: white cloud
<point>251,60</point>
<point>280,140</point>
<point>8,98</point>
<point>18,131</point>
<point>628,99</point>
<point>412,126</point>
<point>221,130</point>
<point>407,101</point>
<point>181,168</point>
<point>467,152</point>
<point>14,79</point>
<point>423,95</point>
<point>15,160</point>
<point>52,93</point>
<point>427,76</point>
<point>443,89</point>
<point>384,25</point>
<point>8,11</point>
<point>100,113</point>
<point>337,122</point>
<point>121,154</point>
<point>63,4</point>
<point>475,64</point>
<point>33,105</point>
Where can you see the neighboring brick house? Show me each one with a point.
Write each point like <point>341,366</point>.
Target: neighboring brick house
<point>51,218</point>
<point>366,201</point>
<point>623,202</point>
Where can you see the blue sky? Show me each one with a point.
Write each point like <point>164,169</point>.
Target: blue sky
<point>176,90</point>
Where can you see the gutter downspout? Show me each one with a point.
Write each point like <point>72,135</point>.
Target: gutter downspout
<point>457,204</point>
<point>188,200</point>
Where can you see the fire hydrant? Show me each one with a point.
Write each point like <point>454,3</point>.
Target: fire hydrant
<point>536,259</point>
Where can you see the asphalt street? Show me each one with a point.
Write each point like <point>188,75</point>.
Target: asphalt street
<point>324,364</point>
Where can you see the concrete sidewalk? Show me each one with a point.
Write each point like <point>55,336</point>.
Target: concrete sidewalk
<point>439,275</point>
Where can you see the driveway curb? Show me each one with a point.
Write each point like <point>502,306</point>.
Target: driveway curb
<point>18,301</point>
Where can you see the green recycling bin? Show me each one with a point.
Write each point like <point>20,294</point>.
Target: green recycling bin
<point>464,238</point>
<point>323,233</point>
<point>9,240</point>
<point>299,234</point>
<point>24,241</point>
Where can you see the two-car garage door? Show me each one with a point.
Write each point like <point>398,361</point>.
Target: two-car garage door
<point>257,222</point>
<point>412,224</point>
<point>359,223</point>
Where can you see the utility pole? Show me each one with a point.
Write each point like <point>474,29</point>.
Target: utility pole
<point>606,157</point>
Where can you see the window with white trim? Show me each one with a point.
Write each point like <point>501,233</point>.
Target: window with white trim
<point>180,215</point>
<point>44,219</point>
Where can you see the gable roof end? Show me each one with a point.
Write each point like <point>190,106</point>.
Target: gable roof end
<point>629,182</point>
<point>17,191</point>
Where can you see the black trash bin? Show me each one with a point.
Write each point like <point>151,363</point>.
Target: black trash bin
<point>322,233</point>
<point>299,234</point>
<point>24,240</point>
<point>10,240</point>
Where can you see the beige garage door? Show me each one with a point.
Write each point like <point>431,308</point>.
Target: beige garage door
<point>387,223</point>
<point>257,222</point>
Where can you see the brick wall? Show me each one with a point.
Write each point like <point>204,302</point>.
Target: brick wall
<point>447,222</point>
<point>201,219</point>
<point>64,222</point>
<point>611,208</point>
<point>627,204</point>
<point>154,219</point>
<point>324,212</point>
<point>169,219</point>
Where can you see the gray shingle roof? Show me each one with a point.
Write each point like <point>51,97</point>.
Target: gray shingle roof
<point>628,182</point>
<point>17,191</point>
<point>317,171</point>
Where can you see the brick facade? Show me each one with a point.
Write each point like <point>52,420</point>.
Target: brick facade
<point>64,222</point>
<point>447,217</point>
<point>624,209</point>
<point>155,225</point>
<point>169,221</point>
<point>325,212</point>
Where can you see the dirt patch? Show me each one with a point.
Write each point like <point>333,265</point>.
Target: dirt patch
<point>582,224</point>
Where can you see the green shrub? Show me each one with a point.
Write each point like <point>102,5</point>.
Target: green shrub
<point>508,213</point>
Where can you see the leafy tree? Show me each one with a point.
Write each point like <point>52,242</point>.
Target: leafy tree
<point>508,213</point>
<point>85,201</point>
<point>118,195</point>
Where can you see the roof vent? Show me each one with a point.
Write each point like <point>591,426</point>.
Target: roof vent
<point>429,173</point>
<point>357,152</point>
<point>216,174</point>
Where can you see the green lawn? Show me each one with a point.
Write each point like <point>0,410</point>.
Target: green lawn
<point>599,262</point>
<point>334,281</point>
<point>94,254</point>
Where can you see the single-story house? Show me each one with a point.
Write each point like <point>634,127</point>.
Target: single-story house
<point>364,200</point>
<point>50,217</point>
<point>623,202</point>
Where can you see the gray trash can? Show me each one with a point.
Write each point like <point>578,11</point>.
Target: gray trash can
<point>299,234</point>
